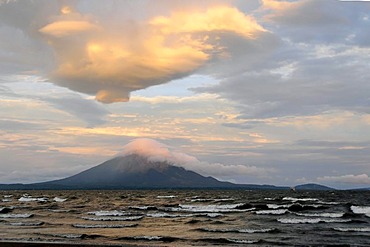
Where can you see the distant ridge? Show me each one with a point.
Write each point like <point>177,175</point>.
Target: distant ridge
<point>135,171</point>
<point>312,186</point>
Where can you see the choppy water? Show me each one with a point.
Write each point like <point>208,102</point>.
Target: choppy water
<point>187,218</point>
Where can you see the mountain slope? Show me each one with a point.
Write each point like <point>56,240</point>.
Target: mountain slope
<point>134,171</point>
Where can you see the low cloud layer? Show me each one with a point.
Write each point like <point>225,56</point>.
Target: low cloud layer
<point>347,179</point>
<point>156,151</point>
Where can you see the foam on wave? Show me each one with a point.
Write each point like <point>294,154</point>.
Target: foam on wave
<point>103,226</point>
<point>311,220</point>
<point>361,210</point>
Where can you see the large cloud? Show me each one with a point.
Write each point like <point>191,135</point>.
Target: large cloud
<point>112,49</point>
<point>110,60</point>
<point>319,67</point>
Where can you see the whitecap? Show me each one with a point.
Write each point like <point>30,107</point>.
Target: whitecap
<point>68,235</point>
<point>60,210</point>
<point>8,196</point>
<point>6,200</point>
<point>16,215</point>
<point>352,229</point>
<point>128,218</point>
<point>264,230</point>
<point>310,220</point>
<point>293,199</point>
<point>275,212</point>
<point>148,237</point>
<point>143,207</point>
<point>58,199</point>
<point>269,199</point>
<point>328,203</point>
<point>277,206</point>
<point>201,200</point>
<point>223,199</point>
<point>214,215</point>
<point>102,226</point>
<point>327,215</point>
<point>108,213</point>
<point>152,238</point>
<point>32,199</point>
<point>171,196</point>
<point>166,215</point>
<point>242,241</point>
<point>361,210</point>
<point>209,208</point>
<point>238,230</point>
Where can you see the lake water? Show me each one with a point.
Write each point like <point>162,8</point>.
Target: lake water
<point>187,217</point>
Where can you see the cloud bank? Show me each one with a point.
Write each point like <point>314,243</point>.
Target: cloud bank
<point>156,151</point>
<point>348,179</point>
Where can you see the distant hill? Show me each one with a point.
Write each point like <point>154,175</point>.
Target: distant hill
<point>360,189</point>
<point>312,187</point>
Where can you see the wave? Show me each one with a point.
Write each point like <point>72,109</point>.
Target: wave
<point>60,210</point>
<point>219,241</point>
<point>352,229</point>
<point>201,200</point>
<point>269,199</point>
<point>103,226</point>
<point>212,200</point>
<point>311,220</point>
<point>274,212</point>
<point>266,230</point>
<point>170,196</point>
<point>6,200</point>
<point>128,218</point>
<point>5,210</point>
<point>329,203</point>
<point>69,236</point>
<point>58,199</point>
<point>277,206</point>
<point>145,208</point>
<point>211,215</point>
<point>25,198</point>
<point>108,213</point>
<point>210,208</point>
<point>150,238</point>
<point>327,215</point>
<point>293,199</point>
<point>298,207</point>
<point>242,241</point>
<point>167,215</point>
<point>361,210</point>
<point>38,223</point>
<point>16,215</point>
<point>74,236</point>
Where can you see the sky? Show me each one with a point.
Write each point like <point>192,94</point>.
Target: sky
<point>256,91</point>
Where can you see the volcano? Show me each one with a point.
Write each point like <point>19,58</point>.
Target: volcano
<point>134,172</point>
